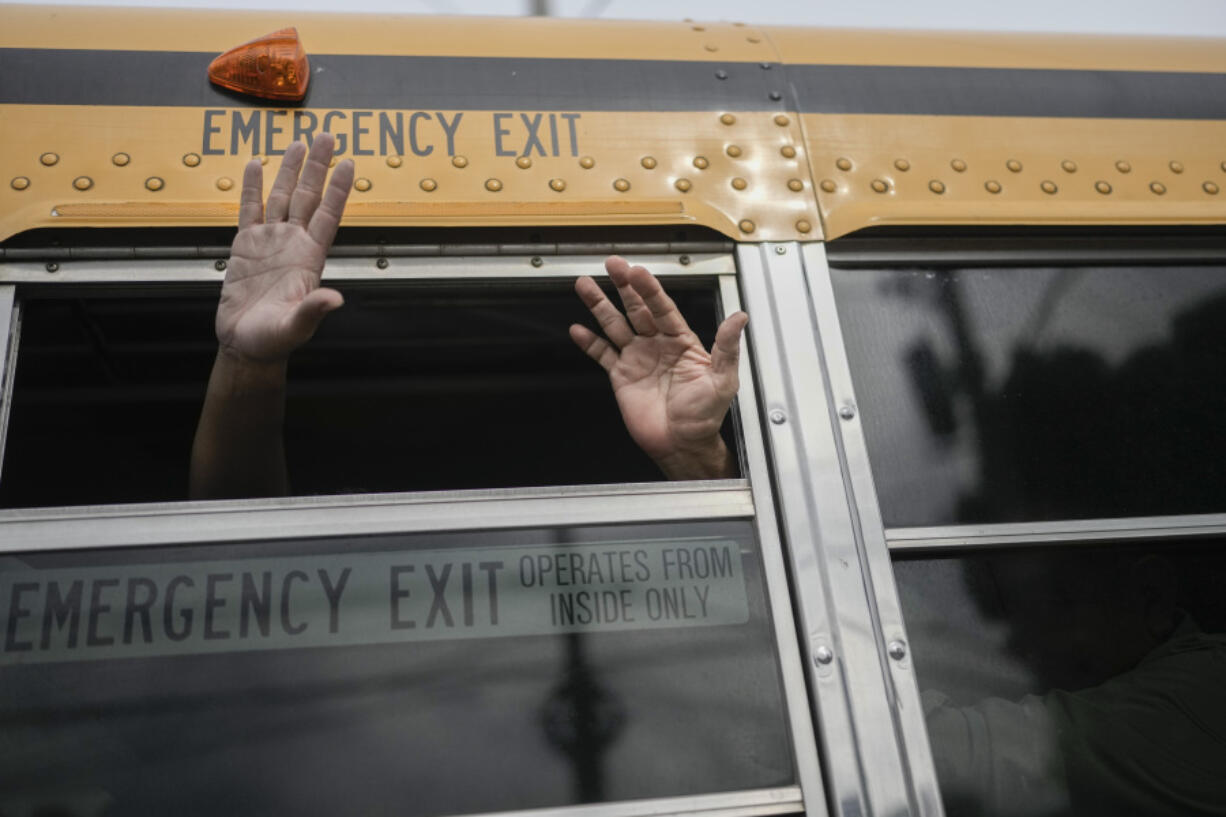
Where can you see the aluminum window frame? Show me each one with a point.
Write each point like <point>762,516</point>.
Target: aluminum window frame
<point>200,522</point>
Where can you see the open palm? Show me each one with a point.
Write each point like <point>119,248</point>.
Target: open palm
<point>271,301</point>
<point>673,395</point>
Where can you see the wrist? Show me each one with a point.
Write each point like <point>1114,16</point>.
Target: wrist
<point>710,459</point>
<point>239,373</point>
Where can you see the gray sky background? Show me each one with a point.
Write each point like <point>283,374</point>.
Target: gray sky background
<point>1174,17</point>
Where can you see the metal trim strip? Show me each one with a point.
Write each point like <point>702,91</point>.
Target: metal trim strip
<point>730,804</point>
<point>1017,534</point>
<point>10,340</point>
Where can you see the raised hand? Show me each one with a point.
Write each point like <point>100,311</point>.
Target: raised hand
<point>271,301</point>
<point>673,395</point>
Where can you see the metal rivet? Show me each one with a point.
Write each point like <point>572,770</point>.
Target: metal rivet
<point>1123,166</point>
<point>587,163</point>
<point>537,261</point>
<point>429,185</point>
<point>781,120</point>
<point>776,96</point>
<point>49,158</point>
<point>788,152</point>
<point>83,182</point>
<point>843,164</point>
<point>684,260</point>
<point>936,186</point>
<point>1223,166</point>
<point>765,66</point>
<point>557,185</point>
<point>154,183</point>
<point>739,184</point>
<point>958,165</point>
<point>795,185</point>
<point>191,159</point>
<point>683,185</point>
<point>459,161</point>
<point>1210,188</point>
<point>493,185</point>
<point>381,263</point>
<point>362,185</point>
<point>822,655</point>
<point>648,162</point>
<point>701,162</point>
<point>52,267</point>
<point>1102,187</point>
<point>523,162</point>
<point>120,159</point>
<point>733,151</point>
<point>847,412</point>
<point>992,187</point>
<point>621,185</point>
<point>754,40</point>
<point>1176,167</point>
<point>721,74</point>
<point>803,226</point>
<point>19,183</point>
<point>778,417</point>
<point>902,164</point>
<point>264,160</point>
<point>747,226</point>
<point>1157,187</point>
<point>880,186</point>
<point>394,161</point>
<point>711,47</point>
<point>829,186</point>
<point>220,265</point>
<point>225,183</point>
<point>1068,166</point>
<point>728,119</point>
<point>1014,165</point>
<point>897,650</point>
<point>1048,187</point>
<point>780,249</point>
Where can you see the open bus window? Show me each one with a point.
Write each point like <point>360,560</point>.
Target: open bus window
<point>1073,680</point>
<point>418,674</point>
<point>429,386</point>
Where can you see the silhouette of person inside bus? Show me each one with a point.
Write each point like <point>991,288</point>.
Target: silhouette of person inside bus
<point>673,394</point>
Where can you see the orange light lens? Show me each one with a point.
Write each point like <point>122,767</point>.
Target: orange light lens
<point>272,67</point>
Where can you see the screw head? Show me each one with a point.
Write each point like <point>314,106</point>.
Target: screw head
<point>778,417</point>
<point>721,74</point>
<point>776,96</point>
<point>220,265</point>
<point>781,250</point>
<point>823,656</point>
<point>381,263</point>
<point>684,260</point>
<point>847,412</point>
<point>53,266</point>
<point>897,650</point>
<point>537,261</point>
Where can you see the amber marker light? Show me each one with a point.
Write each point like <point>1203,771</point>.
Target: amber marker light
<point>272,67</point>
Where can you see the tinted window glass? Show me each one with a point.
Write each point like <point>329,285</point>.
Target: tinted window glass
<point>995,395</point>
<point>405,388</point>
<point>1082,681</point>
<point>423,674</point>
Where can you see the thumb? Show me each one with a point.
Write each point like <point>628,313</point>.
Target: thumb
<point>310,311</point>
<point>726,351</point>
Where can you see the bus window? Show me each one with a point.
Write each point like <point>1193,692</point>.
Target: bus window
<point>442,385</point>
<point>1076,680</point>
<point>1025,394</point>
<point>415,674</point>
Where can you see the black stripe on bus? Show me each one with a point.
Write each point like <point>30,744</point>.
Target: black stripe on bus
<point>140,78</point>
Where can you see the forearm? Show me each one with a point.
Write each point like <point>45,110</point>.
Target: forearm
<point>239,449</point>
<point>710,460</point>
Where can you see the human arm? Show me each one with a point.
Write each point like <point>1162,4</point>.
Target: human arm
<point>271,303</point>
<point>673,394</point>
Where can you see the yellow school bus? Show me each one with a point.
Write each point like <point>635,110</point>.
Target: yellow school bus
<point>972,557</point>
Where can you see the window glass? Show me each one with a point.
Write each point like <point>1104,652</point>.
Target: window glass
<point>1073,681</point>
<point>998,395</point>
<point>423,387</point>
<point>411,674</point>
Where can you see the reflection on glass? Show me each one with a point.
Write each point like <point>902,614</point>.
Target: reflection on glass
<point>998,395</point>
<point>412,675</point>
<point>1079,681</point>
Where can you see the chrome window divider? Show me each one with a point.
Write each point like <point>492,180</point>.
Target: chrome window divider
<point>865,770</point>
<point>857,472</point>
<point>1087,531</point>
<point>791,665</point>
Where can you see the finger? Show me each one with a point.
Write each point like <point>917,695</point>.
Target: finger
<point>310,187</point>
<point>283,185</point>
<point>251,203</point>
<point>594,346</point>
<point>726,351</point>
<point>664,312</point>
<point>637,311</point>
<point>310,311</point>
<point>610,319</point>
<point>327,216</point>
